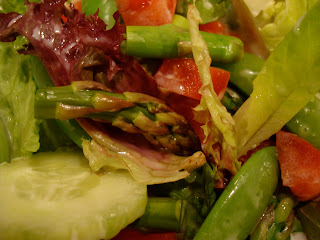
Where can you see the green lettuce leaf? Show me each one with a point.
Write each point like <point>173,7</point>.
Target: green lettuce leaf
<point>209,10</point>
<point>276,18</point>
<point>286,83</point>
<point>218,122</point>
<point>106,10</point>
<point>17,90</point>
<point>18,6</point>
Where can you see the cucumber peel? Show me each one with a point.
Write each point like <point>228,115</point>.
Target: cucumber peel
<point>57,196</point>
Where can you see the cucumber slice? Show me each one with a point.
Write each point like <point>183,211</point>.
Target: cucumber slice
<point>57,196</point>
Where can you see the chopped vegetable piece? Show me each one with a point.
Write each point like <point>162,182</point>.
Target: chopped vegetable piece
<point>171,41</point>
<point>146,12</point>
<point>57,196</point>
<point>181,76</point>
<point>286,83</point>
<point>300,165</point>
<point>218,124</point>
<point>213,27</point>
<point>244,200</point>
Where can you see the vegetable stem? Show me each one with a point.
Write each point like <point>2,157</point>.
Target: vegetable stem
<point>170,41</point>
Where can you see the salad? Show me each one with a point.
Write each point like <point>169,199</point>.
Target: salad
<point>161,119</point>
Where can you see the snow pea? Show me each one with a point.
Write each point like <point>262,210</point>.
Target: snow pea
<point>244,200</point>
<point>243,72</point>
<point>306,122</point>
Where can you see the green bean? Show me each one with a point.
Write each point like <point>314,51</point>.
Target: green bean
<point>245,199</point>
<point>284,209</point>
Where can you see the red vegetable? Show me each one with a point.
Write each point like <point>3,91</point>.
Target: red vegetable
<point>146,12</point>
<point>181,76</point>
<point>300,165</point>
<point>213,27</point>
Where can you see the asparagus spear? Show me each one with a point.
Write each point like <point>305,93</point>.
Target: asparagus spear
<point>169,214</point>
<point>131,112</point>
<point>170,41</point>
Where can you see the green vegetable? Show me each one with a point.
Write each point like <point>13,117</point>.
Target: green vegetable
<point>56,196</point>
<point>209,10</point>
<point>218,122</point>
<point>243,73</point>
<point>5,146</point>
<point>74,131</point>
<point>306,122</point>
<point>232,100</point>
<point>286,83</point>
<point>197,189</point>
<point>278,220</point>
<point>244,200</point>
<point>17,90</point>
<point>48,129</point>
<point>146,166</point>
<point>170,41</point>
<point>277,18</point>
<point>106,10</point>
<point>131,112</point>
<point>309,215</point>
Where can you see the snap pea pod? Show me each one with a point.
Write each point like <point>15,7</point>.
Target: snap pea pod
<point>244,200</point>
<point>305,123</point>
<point>243,72</point>
<point>171,41</point>
<point>277,222</point>
<point>232,100</point>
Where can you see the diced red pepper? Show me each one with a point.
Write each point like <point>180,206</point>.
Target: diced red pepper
<point>146,12</point>
<point>299,164</point>
<point>181,76</point>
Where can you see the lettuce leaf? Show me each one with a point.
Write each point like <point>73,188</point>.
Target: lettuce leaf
<point>113,149</point>
<point>209,10</point>
<point>17,90</point>
<point>286,83</point>
<point>277,18</point>
<point>106,10</point>
<point>218,122</point>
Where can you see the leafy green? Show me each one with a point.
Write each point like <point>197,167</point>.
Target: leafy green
<point>210,10</point>
<point>146,166</point>
<point>55,195</point>
<point>286,83</point>
<point>277,18</point>
<point>106,10</point>
<point>5,146</point>
<point>18,6</point>
<point>218,123</point>
<point>17,90</point>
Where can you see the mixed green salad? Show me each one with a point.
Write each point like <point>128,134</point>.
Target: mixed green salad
<point>160,119</point>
